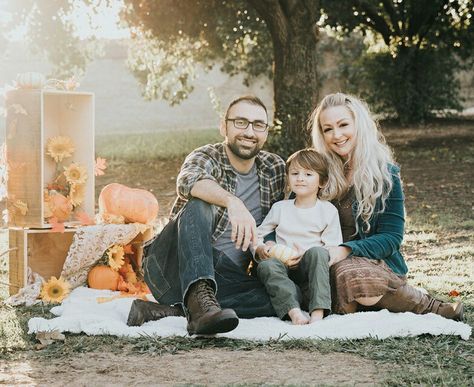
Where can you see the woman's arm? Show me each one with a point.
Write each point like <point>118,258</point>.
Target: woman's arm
<point>387,236</point>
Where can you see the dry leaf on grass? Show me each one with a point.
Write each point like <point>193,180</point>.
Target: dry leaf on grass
<point>47,338</point>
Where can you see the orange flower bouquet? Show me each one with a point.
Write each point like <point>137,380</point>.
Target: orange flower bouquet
<point>66,192</point>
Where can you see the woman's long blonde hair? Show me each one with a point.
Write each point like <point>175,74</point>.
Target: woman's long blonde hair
<point>370,159</point>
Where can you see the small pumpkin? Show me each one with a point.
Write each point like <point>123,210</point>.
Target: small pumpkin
<point>282,252</point>
<point>134,204</point>
<point>103,277</point>
<point>30,80</point>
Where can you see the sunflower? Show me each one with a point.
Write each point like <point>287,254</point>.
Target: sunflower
<point>75,174</point>
<point>77,193</point>
<point>60,147</point>
<point>116,257</point>
<point>55,290</point>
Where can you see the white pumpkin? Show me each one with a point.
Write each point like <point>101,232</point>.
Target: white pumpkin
<point>282,253</point>
<point>30,80</point>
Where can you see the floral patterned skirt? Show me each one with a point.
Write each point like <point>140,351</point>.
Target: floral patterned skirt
<point>356,277</point>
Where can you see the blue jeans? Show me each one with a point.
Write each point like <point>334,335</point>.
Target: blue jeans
<point>183,254</point>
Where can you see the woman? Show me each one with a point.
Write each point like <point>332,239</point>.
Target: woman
<point>367,270</point>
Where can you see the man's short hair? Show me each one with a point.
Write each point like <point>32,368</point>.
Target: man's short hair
<point>251,99</point>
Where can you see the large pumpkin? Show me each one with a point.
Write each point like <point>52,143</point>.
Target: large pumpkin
<point>134,204</point>
<point>103,277</point>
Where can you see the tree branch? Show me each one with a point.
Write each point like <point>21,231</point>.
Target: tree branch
<point>392,13</point>
<point>276,20</point>
<point>379,24</point>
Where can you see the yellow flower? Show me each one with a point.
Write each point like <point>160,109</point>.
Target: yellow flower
<point>116,257</point>
<point>77,194</point>
<point>55,290</point>
<point>60,147</point>
<point>75,174</point>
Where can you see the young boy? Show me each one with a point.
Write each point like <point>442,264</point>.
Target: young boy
<point>309,225</point>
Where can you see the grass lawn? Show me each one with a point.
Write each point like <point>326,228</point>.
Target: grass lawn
<point>437,164</point>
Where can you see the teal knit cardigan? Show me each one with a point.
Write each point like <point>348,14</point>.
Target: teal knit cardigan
<point>385,236</point>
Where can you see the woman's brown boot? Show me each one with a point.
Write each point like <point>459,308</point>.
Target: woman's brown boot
<point>408,299</point>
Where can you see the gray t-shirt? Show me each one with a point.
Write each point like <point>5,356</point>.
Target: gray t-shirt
<point>248,190</point>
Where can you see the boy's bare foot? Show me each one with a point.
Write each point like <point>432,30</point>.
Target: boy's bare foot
<point>316,315</point>
<point>297,316</point>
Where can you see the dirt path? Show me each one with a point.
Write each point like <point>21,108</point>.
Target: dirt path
<point>205,366</point>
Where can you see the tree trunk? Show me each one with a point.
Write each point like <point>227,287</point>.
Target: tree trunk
<point>294,34</point>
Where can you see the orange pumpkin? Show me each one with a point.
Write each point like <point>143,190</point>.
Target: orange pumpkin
<point>134,204</point>
<point>103,277</point>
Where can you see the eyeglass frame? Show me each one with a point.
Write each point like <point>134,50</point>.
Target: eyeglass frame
<point>248,123</point>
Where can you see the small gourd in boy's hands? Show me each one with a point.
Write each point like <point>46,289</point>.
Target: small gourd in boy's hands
<point>282,253</point>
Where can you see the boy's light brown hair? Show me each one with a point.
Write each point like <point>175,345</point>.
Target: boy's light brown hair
<point>312,160</point>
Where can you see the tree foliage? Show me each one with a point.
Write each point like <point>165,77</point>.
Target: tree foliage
<point>53,33</point>
<point>172,36</point>
<point>276,38</point>
<point>425,42</point>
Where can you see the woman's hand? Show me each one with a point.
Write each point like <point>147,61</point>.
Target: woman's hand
<point>338,253</point>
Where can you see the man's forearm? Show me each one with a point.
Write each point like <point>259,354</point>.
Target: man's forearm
<point>211,192</point>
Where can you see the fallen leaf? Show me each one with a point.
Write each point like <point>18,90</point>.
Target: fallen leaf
<point>56,226</point>
<point>127,249</point>
<point>85,219</point>
<point>454,293</point>
<point>46,338</point>
<point>18,109</point>
<point>100,166</point>
<point>21,206</point>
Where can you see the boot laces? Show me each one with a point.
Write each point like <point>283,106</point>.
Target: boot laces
<point>205,296</point>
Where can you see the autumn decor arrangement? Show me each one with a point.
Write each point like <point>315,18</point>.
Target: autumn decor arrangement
<point>66,192</point>
<point>118,269</point>
<point>49,187</point>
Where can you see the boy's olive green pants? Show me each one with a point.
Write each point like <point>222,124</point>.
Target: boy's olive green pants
<point>288,287</point>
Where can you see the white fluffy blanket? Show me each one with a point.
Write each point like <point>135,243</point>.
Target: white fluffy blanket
<point>81,312</point>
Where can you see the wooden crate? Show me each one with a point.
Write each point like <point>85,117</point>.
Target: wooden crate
<point>41,250</point>
<point>33,117</point>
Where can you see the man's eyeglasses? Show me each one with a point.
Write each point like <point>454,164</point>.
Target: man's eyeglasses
<point>242,123</point>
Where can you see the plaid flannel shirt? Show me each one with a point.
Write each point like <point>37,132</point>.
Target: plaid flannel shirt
<point>211,162</point>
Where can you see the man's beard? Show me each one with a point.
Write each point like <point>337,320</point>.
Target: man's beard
<point>247,154</point>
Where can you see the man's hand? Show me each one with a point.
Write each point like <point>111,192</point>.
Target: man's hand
<point>337,254</point>
<point>244,229</point>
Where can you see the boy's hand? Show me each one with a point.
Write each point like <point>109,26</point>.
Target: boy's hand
<point>263,251</point>
<point>294,261</point>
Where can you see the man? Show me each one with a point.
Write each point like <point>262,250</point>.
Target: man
<point>200,259</point>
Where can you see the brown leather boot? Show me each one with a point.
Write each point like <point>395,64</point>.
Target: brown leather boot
<point>205,316</point>
<point>143,311</point>
<point>409,299</point>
